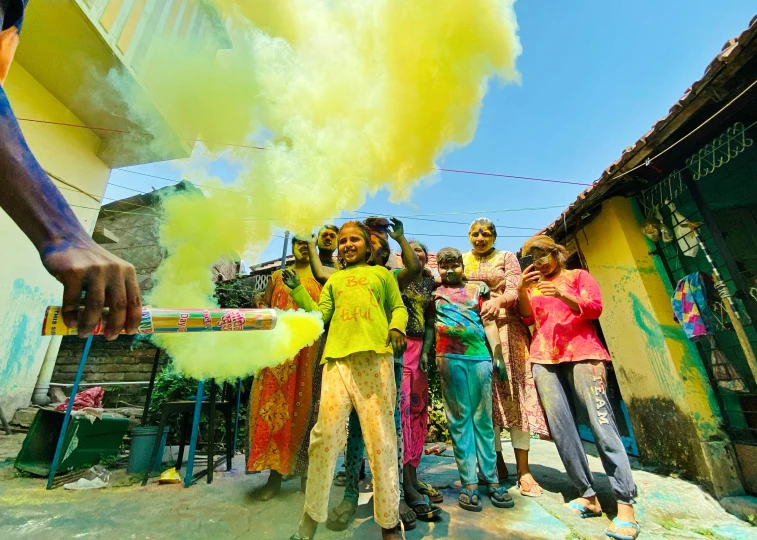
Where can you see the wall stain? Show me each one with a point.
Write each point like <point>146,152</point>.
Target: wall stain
<point>26,329</point>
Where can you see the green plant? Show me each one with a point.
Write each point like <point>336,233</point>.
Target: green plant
<point>235,293</point>
<point>438,428</point>
<point>170,385</point>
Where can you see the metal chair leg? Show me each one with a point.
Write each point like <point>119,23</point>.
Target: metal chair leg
<point>67,415</point>
<point>236,415</point>
<point>211,430</point>
<point>229,434</point>
<point>195,431</point>
<point>156,446</point>
<point>183,439</point>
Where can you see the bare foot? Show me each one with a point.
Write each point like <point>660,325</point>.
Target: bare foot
<point>307,526</point>
<point>529,486</point>
<point>272,487</point>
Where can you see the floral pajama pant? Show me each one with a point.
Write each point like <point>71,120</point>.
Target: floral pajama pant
<point>353,455</point>
<point>364,382</point>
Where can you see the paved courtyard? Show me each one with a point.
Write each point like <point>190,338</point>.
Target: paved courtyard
<point>669,508</point>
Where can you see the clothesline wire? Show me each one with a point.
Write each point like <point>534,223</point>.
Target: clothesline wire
<point>258,218</point>
<point>255,147</point>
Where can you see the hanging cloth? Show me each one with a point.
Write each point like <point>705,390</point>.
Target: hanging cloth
<point>685,232</point>
<point>690,307</point>
<point>723,371</point>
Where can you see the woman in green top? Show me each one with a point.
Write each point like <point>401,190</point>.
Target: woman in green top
<point>367,330</point>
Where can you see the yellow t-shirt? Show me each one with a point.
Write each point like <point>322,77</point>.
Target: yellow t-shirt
<point>357,301</point>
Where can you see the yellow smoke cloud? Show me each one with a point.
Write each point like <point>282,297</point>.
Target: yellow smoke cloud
<point>367,94</point>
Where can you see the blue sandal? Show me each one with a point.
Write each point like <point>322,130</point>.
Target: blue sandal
<point>500,497</point>
<point>473,504</point>
<point>624,525</point>
<point>583,512</point>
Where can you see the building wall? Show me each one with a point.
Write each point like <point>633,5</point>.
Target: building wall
<point>25,287</point>
<point>670,402</point>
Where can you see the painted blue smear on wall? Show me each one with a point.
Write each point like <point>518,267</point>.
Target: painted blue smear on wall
<point>26,328</point>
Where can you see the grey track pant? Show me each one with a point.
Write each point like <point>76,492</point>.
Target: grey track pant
<point>567,388</point>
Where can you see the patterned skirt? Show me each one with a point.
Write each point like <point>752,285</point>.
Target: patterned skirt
<point>283,411</point>
<point>515,402</point>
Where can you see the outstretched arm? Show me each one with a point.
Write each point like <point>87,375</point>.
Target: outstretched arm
<point>413,266</point>
<point>68,253</point>
<point>320,272</point>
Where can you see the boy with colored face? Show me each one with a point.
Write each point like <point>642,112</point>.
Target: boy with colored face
<point>465,368</point>
<point>327,244</point>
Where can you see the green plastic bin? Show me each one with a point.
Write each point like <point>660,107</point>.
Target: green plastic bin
<point>85,444</point>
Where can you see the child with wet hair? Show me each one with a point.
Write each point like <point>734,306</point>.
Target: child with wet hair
<point>464,349</point>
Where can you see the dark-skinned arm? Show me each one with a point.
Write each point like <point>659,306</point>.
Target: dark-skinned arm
<point>429,335</point>
<point>68,253</point>
<point>413,266</point>
<point>321,273</point>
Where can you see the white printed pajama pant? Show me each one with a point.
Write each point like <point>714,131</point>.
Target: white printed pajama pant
<point>363,381</point>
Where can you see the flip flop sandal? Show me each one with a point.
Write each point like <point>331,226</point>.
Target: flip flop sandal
<point>428,490</point>
<point>296,536</point>
<point>624,525</point>
<point>340,480</point>
<point>473,504</point>
<point>500,497</point>
<point>408,521</point>
<point>583,512</point>
<point>528,493</point>
<point>424,510</point>
<point>342,521</point>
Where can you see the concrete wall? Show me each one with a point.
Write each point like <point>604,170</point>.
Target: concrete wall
<point>670,402</point>
<point>25,287</point>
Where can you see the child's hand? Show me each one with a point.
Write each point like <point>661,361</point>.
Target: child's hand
<point>398,341</point>
<point>499,367</point>
<point>313,240</point>
<point>397,229</point>
<point>424,362</point>
<point>290,279</point>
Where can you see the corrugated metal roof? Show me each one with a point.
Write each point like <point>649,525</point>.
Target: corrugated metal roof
<point>735,54</point>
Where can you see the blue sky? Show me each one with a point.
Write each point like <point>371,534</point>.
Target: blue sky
<point>596,76</point>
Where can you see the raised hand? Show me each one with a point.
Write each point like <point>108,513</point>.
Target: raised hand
<point>527,278</point>
<point>290,278</point>
<point>397,229</point>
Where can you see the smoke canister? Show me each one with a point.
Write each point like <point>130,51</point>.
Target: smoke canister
<point>173,320</point>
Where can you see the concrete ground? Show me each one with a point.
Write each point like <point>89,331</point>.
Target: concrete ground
<point>668,508</point>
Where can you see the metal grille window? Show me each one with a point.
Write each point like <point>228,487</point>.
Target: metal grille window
<point>713,210</point>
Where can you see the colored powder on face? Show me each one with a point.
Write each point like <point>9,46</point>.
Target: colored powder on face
<point>347,98</point>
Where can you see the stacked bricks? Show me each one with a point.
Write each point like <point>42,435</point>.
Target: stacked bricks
<point>123,360</point>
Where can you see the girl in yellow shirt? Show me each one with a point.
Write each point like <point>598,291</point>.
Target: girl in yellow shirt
<point>367,330</point>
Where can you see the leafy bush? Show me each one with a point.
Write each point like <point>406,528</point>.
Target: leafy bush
<point>438,428</point>
<point>235,293</point>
